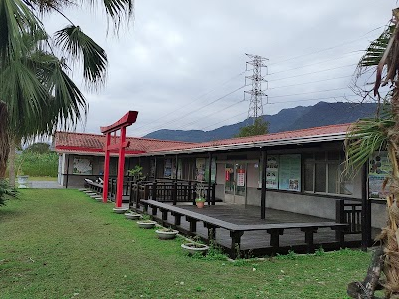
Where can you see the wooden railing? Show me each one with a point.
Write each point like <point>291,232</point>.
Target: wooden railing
<point>167,192</point>
<point>350,213</point>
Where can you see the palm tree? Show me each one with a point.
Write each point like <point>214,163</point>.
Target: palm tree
<point>36,93</point>
<point>382,133</point>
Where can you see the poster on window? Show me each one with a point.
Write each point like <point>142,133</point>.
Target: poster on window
<point>213,170</point>
<point>289,172</point>
<point>168,168</point>
<point>200,169</point>
<point>272,172</point>
<point>179,169</point>
<point>379,169</point>
<point>82,166</point>
<point>240,177</point>
<point>152,168</point>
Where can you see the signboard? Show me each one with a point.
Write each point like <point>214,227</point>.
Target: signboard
<point>379,168</point>
<point>289,172</point>
<point>200,169</point>
<point>82,166</point>
<point>272,172</point>
<point>240,177</point>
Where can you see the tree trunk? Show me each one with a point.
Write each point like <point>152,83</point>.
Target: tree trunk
<point>11,163</point>
<point>367,287</point>
<point>4,139</point>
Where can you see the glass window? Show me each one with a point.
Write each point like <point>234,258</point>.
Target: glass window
<point>324,174</point>
<point>229,179</point>
<point>320,175</point>
<point>333,181</point>
<point>308,177</point>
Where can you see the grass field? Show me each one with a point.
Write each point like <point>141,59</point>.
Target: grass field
<point>63,244</point>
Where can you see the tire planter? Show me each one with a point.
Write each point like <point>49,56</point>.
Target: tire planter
<point>146,224</point>
<point>132,216</point>
<point>120,210</point>
<point>166,235</point>
<point>193,248</point>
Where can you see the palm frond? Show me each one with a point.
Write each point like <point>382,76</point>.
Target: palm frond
<point>119,10</point>
<point>365,137</point>
<point>72,40</point>
<point>376,49</point>
<point>66,104</point>
<point>16,20</point>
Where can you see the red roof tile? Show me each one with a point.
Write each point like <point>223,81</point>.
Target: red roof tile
<point>93,143</point>
<point>303,133</point>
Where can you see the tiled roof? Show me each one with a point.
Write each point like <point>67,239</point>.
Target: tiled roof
<point>95,143</point>
<point>92,143</point>
<point>330,130</point>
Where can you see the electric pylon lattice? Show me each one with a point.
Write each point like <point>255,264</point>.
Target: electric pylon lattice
<point>255,103</point>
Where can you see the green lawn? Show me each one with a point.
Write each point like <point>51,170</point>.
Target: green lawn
<point>63,244</point>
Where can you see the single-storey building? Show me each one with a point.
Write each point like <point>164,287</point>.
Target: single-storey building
<point>303,168</point>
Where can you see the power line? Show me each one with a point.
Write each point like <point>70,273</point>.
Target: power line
<point>306,100</point>
<point>315,72</point>
<point>302,93</point>
<point>194,111</point>
<point>316,63</point>
<point>198,98</point>
<point>329,48</point>
<point>310,82</point>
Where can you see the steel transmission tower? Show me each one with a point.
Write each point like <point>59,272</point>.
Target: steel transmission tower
<point>255,103</point>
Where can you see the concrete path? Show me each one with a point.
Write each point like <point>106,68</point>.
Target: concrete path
<point>44,184</point>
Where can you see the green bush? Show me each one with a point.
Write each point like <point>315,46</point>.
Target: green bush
<point>37,164</point>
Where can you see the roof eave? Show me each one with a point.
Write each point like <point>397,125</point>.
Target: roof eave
<point>270,143</point>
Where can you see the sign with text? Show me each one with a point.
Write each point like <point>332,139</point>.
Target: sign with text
<point>289,170</point>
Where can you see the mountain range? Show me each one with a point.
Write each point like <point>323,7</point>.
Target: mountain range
<point>301,117</point>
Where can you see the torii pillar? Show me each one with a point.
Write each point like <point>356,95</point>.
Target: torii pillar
<point>121,124</point>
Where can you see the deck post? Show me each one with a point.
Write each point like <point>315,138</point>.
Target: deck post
<point>235,243</point>
<point>263,192</point>
<point>213,194</point>
<point>208,192</point>
<point>174,193</point>
<point>366,213</point>
<point>154,191</point>
<point>189,193</point>
<point>138,195</point>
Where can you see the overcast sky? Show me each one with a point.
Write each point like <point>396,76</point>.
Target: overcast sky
<point>179,62</point>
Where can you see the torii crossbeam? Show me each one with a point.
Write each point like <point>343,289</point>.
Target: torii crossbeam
<point>121,124</point>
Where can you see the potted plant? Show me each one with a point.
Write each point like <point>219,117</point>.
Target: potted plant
<point>136,173</point>
<point>146,222</point>
<point>166,233</point>
<point>194,246</point>
<point>132,215</point>
<point>200,199</point>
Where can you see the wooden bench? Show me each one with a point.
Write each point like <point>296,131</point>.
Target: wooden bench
<point>236,230</point>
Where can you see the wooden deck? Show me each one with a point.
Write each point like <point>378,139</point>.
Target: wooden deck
<point>257,243</point>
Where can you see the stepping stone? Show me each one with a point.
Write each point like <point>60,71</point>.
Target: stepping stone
<point>82,189</point>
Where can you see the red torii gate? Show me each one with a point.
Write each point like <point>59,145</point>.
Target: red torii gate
<point>121,124</point>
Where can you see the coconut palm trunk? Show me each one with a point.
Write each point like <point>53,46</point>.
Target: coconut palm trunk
<point>381,133</point>
<point>4,140</point>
